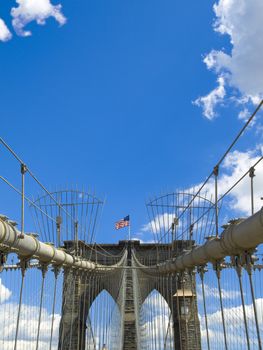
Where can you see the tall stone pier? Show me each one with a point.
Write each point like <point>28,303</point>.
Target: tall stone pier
<point>178,291</point>
<point>130,340</point>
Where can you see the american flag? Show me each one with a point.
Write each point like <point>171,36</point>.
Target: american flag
<point>123,222</point>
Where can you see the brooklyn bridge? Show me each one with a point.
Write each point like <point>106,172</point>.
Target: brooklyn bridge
<point>196,285</point>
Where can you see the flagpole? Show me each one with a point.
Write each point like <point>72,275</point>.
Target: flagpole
<point>129,230</point>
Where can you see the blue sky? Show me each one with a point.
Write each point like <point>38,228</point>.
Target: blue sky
<point>102,96</point>
<point>105,101</point>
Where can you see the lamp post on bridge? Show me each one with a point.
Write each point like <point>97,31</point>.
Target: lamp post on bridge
<point>186,303</point>
<point>185,300</point>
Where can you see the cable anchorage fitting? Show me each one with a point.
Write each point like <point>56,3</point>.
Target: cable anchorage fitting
<point>237,263</point>
<point>216,170</point>
<point>249,260</point>
<point>218,267</point>
<point>24,264</point>
<point>23,168</point>
<point>202,270</point>
<point>252,172</point>
<point>3,258</point>
<point>44,268</point>
<point>56,270</point>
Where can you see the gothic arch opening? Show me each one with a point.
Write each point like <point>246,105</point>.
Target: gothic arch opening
<point>156,323</point>
<point>104,324</point>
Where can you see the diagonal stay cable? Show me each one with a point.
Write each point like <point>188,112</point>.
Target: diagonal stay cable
<point>224,156</point>
<point>220,198</point>
<point>4,143</point>
<point>33,176</point>
<point>26,198</point>
<point>228,150</point>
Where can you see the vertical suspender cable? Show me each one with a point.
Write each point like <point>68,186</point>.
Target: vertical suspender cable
<point>56,272</point>
<point>83,321</point>
<point>155,325</point>
<point>79,307</point>
<point>90,315</point>
<point>95,311</point>
<point>170,316</point>
<point>158,327</point>
<point>64,302</point>
<point>150,302</point>
<point>167,331</point>
<point>23,270</point>
<point>164,308</point>
<point>249,271</point>
<point>43,270</point>
<point>218,275</point>
<point>172,309</point>
<point>238,268</point>
<point>178,312</point>
<point>201,273</point>
<point>194,306</point>
<point>186,320</point>
<point>72,306</point>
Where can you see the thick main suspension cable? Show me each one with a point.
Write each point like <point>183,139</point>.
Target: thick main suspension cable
<point>237,237</point>
<point>46,253</point>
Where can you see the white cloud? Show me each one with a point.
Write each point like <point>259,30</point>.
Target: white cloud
<point>136,238</point>
<point>28,324</point>
<point>155,322</point>
<point>209,101</point>
<point>27,334</point>
<point>156,331</point>
<point>5,34</point>
<point>237,202</point>
<point>234,166</point>
<point>5,293</point>
<point>244,115</point>
<point>160,224</point>
<point>242,67</point>
<point>234,325</point>
<point>212,292</point>
<point>26,344</point>
<point>34,10</point>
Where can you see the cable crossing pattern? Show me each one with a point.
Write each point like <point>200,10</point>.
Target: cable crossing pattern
<point>197,285</point>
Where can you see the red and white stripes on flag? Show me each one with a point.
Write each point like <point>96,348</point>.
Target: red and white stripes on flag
<point>122,223</point>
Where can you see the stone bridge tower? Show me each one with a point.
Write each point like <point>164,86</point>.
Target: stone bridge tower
<point>184,339</point>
